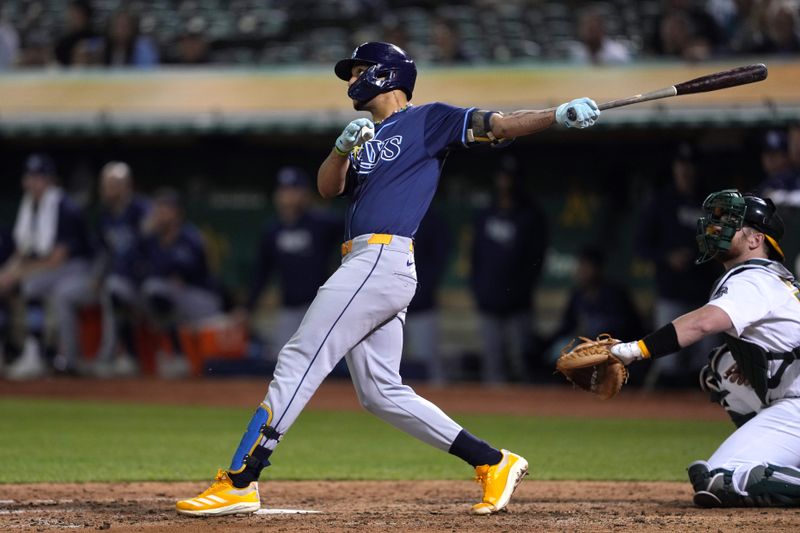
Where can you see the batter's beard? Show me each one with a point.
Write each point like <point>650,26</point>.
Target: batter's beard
<point>359,105</point>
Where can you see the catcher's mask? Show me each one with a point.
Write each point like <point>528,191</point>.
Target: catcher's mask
<point>726,212</point>
<point>390,68</point>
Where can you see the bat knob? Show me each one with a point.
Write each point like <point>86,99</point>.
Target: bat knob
<point>571,114</point>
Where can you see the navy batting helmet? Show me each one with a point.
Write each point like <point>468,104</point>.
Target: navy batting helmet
<point>390,68</point>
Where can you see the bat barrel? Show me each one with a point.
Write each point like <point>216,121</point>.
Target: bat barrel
<point>711,82</point>
<point>724,79</point>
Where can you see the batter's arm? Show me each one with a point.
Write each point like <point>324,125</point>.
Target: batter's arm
<point>522,122</point>
<point>526,122</point>
<point>332,175</point>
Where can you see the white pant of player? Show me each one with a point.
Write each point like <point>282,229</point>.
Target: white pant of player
<point>358,314</point>
<point>772,436</point>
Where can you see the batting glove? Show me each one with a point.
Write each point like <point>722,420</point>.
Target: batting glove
<point>355,134</point>
<point>627,352</point>
<point>585,113</point>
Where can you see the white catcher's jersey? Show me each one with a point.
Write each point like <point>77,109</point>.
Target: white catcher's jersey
<point>764,307</point>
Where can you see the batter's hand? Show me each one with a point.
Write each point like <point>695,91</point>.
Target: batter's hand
<point>627,352</point>
<point>586,113</point>
<point>355,134</point>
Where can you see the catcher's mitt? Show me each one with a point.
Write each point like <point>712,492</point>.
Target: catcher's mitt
<point>590,366</point>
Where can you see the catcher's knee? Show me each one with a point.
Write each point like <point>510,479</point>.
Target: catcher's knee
<point>774,486</point>
<point>739,401</point>
<point>764,486</point>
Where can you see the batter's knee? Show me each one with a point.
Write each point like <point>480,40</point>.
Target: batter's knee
<point>377,399</point>
<point>371,402</point>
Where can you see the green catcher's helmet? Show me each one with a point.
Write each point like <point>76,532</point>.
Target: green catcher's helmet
<point>726,212</point>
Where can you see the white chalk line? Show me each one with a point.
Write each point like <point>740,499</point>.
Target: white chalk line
<point>67,501</point>
<point>46,505</point>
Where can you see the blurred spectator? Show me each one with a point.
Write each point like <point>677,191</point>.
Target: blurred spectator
<point>595,46</point>
<point>446,44</point>
<point>794,146</point>
<point>687,31</point>
<point>783,28</point>
<point>395,32</point>
<point>87,53</point>
<point>596,305</point>
<point>298,246</point>
<point>121,232</point>
<point>80,44</point>
<point>37,50</point>
<point>192,47</point>
<point>510,239</point>
<point>431,251</point>
<point>746,29</point>
<point>178,288</point>
<point>9,45</point>
<point>6,250</point>
<point>124,46</point>
<point>781,177</point>
<point>666,235</point>
<point>50,263</point>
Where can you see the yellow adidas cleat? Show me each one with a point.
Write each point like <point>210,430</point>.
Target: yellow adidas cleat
<point>498,482</point>
<point>222,498</point>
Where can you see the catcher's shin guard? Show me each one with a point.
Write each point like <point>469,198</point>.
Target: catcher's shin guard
<point>774,486</point>
<point>252,455</point>
<point>698,475</point>
<point>714,488</point>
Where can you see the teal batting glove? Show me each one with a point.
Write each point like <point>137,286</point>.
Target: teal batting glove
<point>355,134</point>
<point>579,113</point>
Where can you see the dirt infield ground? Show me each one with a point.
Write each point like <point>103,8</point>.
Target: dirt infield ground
<point>383,506</point>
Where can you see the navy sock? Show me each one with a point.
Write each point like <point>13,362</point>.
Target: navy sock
<point>251,472</point>
<point>474,451</point>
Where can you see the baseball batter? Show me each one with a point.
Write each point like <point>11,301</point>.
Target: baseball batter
<point>755,375</point>
<point>389,166</point>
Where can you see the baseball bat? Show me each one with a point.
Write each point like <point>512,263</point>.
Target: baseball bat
<point>710,82</point>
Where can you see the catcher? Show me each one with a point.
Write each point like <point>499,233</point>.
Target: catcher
<point>755,375</point>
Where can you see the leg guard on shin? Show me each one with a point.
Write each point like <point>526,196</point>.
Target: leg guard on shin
<point>252,455</point>
<point>774,486</point>
<point>714,488</point>
<point>698,475</point>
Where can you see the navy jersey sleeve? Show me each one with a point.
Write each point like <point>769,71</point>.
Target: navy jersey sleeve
<point>445,127</point>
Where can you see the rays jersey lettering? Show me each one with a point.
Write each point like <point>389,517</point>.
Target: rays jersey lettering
<point>378,150</point>
<point>393,177</point>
